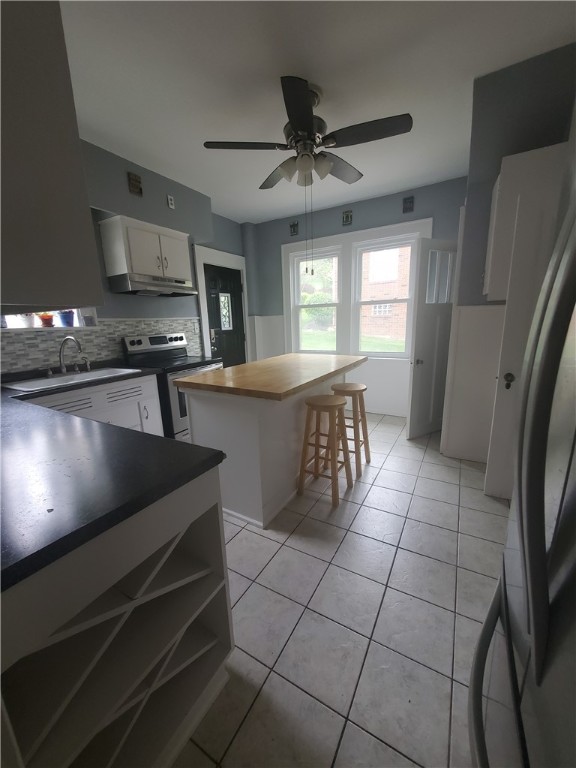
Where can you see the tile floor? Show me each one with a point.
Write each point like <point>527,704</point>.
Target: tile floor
<point>355,626</point>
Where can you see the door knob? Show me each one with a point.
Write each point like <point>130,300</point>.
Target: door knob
<point>509,378</point>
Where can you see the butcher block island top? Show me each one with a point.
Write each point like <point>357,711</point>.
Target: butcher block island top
<point>274,378</point>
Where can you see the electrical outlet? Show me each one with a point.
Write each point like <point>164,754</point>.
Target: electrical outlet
<point>170,200</point>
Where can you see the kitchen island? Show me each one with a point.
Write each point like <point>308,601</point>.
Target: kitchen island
<point>115,614</point>
<point>255,413</point>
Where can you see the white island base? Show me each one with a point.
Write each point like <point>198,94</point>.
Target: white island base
<point>262,440</point>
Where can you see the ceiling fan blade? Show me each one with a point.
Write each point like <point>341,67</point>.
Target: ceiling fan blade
<point>243,145</point>
<point>370,131</point>
<point>341,169</point>
<point>298,101</point>
<point>273,179</point>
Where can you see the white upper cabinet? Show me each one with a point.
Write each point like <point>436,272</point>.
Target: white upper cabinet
<point>528,185</point>
<point>136,247</point>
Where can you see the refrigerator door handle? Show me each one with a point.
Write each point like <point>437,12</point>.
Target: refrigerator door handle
<point>478,750</point>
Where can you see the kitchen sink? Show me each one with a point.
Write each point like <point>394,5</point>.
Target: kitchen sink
<point>64,379</point>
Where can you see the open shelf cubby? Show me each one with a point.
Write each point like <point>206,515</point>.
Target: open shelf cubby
<point>143,657</point>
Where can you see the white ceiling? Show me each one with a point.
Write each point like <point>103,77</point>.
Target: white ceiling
<point>154,80</point>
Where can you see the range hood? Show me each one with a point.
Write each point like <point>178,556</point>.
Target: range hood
<point>151,285</point>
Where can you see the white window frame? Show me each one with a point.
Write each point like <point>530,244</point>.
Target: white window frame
<point>349,245</point>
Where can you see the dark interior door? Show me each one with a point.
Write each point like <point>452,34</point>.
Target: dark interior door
<point>225,314</point>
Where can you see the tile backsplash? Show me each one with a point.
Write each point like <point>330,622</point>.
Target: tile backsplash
<point>26,348</point>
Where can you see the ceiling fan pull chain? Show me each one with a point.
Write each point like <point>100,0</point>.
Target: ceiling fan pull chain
<point>312,230</point>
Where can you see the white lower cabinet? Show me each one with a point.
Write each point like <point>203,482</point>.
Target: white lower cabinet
<point>130,403</point>
<point>116,665</point>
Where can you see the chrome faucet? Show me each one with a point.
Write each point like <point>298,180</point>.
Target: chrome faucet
<point>64,340</point>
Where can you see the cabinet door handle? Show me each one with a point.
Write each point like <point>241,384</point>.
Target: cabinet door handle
<point>165,263</point>
<point>159,262</point>
<point>145,412</point>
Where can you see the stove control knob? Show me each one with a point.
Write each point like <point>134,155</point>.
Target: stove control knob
<point>139,342</point>
<point>181,338</point>
<point>132,342</point>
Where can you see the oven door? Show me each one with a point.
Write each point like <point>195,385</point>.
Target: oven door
<point>178,399</point>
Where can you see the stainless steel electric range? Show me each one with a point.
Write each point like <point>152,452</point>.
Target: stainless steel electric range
<point>169,353</point>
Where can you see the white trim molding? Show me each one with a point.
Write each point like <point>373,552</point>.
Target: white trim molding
<point>204,255</point>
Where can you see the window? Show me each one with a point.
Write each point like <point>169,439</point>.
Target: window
<point>353,295</point>
<point>316,301</point>
<point>383,273</point>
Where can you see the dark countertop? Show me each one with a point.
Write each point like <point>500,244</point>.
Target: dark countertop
<point>66,479</point>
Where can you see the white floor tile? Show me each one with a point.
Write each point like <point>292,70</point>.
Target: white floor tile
<point>318,484</point>
<point>192,757</point>
<point>440,472</point>
<point>341,516</point>
<point>238,584</point>
<point>472,478</point>
<point>473,498</point>
<point>483,525</point>
<point>248,553</point>
<point>416,629</point>
<point>434,512</point>
<point>480,555</point>
<point>398,464</point>
<point>359,749</point>
<point>285,727</point>
<point>324,659</point>
<point>459,738</point>
<point>377,458</point>
<point>477,465</point>
<point>356,494</point>
<point>294,574</point>
<point>437,490</point>
<point>303,504</point>
<point>230,530</point>
<point>365,556</point>
<point>378,524</point>
<point>465,640</point>
<point>430,540</point>
<point>405,704</point>
<point>217,728</point>
<point>316,538</point>
<point>433,456</point>
<point>388,500</point>
<point>263,621</point>
<point>397,481</point>
<point>474,594</point>
<point>348,598</point>
<point>280,528</point>
<point>425,578</point>
<point>404,451</point>
<point>369,473</point>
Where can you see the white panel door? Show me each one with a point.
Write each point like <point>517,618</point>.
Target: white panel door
<point>435,262</point>
<point>534,233</point>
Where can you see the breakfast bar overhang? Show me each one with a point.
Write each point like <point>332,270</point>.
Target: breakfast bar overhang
<point>255,414</point>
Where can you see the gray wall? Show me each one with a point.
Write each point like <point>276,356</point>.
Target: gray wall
<point>516,109</point>
<point>108,195</point>
<point>262,243</point>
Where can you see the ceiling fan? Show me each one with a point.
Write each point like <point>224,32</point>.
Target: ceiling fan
<point>305,133</point>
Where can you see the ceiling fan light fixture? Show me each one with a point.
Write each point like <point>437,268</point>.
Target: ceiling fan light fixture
<point>305,178</point>
<point>305,162</point>
<point>322,165</point>
<point>288,168</point>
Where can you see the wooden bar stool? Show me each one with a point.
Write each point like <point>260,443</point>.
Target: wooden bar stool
<point>358,419</point>
<point>327,452</point>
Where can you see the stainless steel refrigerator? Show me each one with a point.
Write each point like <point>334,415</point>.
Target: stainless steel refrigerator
<point>522,696</point>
